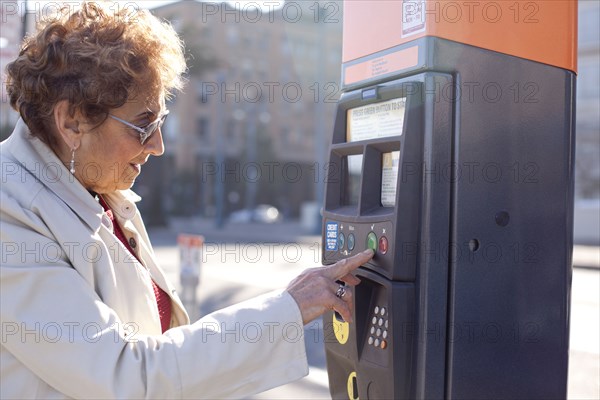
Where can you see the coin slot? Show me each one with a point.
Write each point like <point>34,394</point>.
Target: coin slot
<point>352,386</point>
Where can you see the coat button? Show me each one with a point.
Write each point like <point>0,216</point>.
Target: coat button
<point>132,243</point>
<point>107,222</point>
<point>128,210</point>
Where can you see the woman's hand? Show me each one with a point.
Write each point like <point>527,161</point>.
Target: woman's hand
<point>316,291</point>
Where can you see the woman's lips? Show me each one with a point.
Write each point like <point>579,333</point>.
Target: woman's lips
<point>137,167</point>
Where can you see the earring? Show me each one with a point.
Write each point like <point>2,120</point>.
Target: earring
<point>72,165</point>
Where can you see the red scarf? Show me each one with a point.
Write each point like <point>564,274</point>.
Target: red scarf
<point>162,298</point>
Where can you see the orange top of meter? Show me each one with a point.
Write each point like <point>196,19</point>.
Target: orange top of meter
<point>540,30</point>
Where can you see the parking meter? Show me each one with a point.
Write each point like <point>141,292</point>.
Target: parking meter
<point>452,158</point>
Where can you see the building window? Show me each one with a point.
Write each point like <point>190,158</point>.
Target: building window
<point>285,137</point>
<point>264,41</point>
<point>231,130</point>
<point>232,35</point>
<point>202,129</point>
<point>203,97</point>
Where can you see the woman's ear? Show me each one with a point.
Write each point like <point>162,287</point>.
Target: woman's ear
<point>67,124</point>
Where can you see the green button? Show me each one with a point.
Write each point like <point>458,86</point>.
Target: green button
<point>372,241</point>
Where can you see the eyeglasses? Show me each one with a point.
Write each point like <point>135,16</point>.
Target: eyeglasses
<point>147,131</point>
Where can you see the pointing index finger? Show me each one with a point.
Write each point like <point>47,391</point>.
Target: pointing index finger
<point>347,265</point>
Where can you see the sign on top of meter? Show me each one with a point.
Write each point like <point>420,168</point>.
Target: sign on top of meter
<point>376,120</point>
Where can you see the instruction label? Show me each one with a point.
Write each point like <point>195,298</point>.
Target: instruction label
<point>376,120</point>
<point>389,178</point>
<point>331,236</point>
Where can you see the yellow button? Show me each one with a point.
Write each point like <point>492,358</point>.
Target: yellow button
<point>372,241</point>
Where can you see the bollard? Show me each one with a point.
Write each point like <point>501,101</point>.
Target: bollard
<point>190,247</point>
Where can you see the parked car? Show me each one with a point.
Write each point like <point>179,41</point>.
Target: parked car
<point>263,213</point>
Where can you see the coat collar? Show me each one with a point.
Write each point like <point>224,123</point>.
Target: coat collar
<point>39,160</point>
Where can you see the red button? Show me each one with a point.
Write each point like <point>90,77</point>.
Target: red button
<point>383,245</point>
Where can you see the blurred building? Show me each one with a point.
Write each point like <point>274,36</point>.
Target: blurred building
<point>588,102</point>
<point>587,158</point>
<point>11,33</point>
<point>252,127</point>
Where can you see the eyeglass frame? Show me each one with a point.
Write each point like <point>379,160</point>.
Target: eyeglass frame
<point>145,132</point>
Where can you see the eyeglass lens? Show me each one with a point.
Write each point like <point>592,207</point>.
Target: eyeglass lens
<point>153,127</point>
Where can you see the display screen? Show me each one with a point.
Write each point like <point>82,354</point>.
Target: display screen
<point>352,179</point>
<point>376,120</point>
<point>389,178</point>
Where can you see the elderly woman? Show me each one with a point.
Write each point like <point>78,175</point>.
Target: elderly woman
<point>86,310</point>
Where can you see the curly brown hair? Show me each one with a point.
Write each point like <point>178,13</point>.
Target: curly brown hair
<point>96,59</point>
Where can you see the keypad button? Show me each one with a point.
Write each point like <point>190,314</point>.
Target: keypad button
<point>378,332</point>
<point>385,334</point>
<point>383,344</point>
<point>372,330</point>
<point>374,320</point>
<point>377,342</point>
<point>380,322</point>
<point>351,241</point>
<point>376,310</point>
<point>382,311</point>
<point>372,241</point>
<point>370,339</point>
<point>383,245</point>
<point>341,241</point>
<point>386,324</point>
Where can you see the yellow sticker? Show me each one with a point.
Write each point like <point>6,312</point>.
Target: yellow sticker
<point>352,387</point>
<point>341,329</point>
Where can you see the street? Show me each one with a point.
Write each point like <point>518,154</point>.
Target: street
<point>233,272</point>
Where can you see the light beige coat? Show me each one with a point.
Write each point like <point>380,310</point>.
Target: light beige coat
<point>78,313</point>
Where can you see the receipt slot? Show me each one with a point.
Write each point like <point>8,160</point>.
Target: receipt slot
<point>464,189</point>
